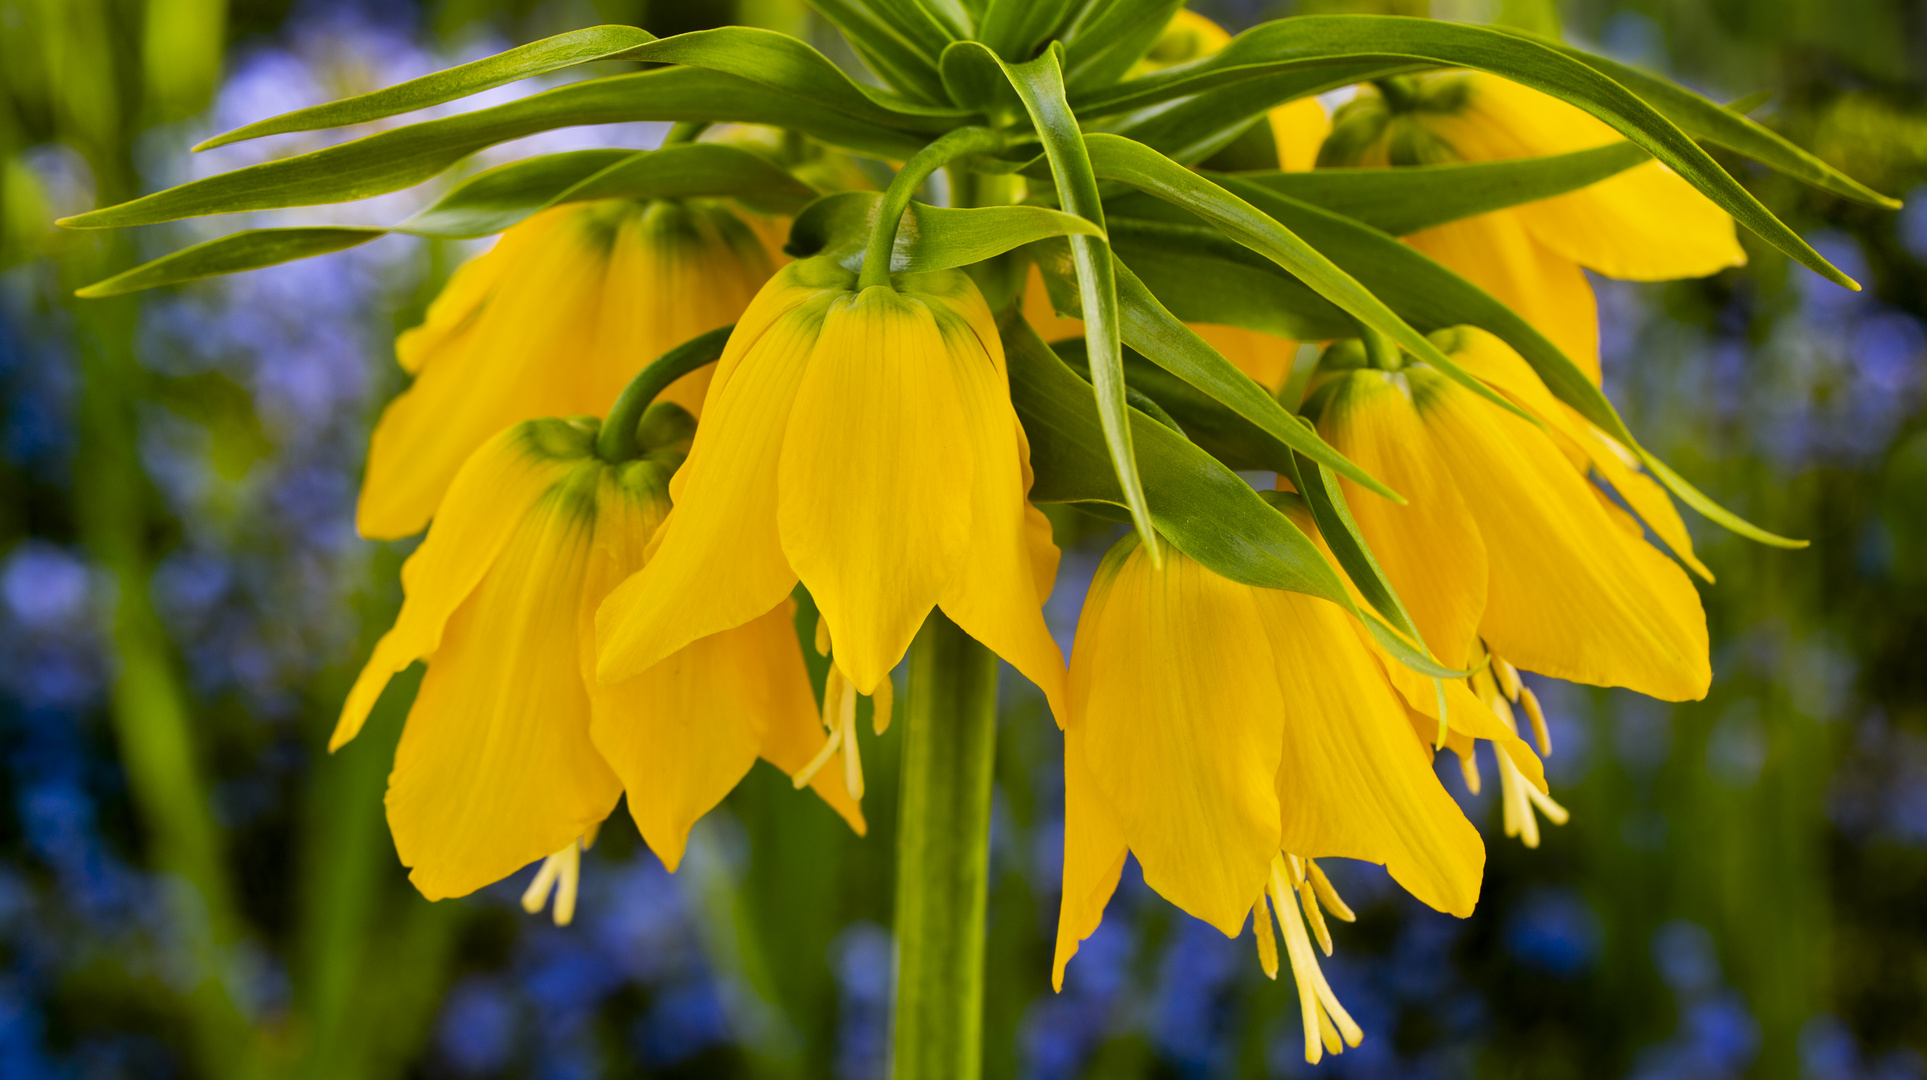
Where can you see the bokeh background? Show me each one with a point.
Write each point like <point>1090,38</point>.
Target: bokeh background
<point>191,887</point>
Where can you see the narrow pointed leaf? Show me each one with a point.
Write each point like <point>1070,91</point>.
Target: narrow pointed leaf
<point>1724,125</point>
<point>248,250</point>
<point>1104,45</point>
<point>1040,83</point>
<point>1294,43</point>
<point>1433,297</point>
<point>1405,200</point>
<point>491,201</point>
<point>392,160</point>
<point>898,60</point>
<point>1120,159</point>
<point>1205,509</point>
<point>536,58</point>
<point>929,237</point>
<point>1012,29</point>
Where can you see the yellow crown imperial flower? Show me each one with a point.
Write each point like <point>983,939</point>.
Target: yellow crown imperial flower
<point>1505,540</point>
<point>864,443</point>
<point>553,321</point>
<point>1225,735</point>
<point>513,751</point>
<point>1645,224</point>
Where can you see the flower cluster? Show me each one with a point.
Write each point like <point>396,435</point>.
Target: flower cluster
<point>688,382</point>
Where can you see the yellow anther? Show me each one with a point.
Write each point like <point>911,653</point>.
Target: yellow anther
<point>1267,938</point>
<point>562,872</point>
<point>1540,733</point>
<point>880,704</point>
<point>1328,895</point>
<point>822,636</point>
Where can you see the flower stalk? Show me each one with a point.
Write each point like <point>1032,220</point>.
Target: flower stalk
<point>616,442</point>
<point>959,143</point>
<point>943,854</point>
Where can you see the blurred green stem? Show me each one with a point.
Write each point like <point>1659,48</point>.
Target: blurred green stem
<point>943,854</point>
<point>150,712</point>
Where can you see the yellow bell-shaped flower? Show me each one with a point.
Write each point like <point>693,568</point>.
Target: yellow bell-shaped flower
<point>865,443</point>
<point>1645,224</point>
<point>1225,735</point>
<point>512,750</point>
<point>553,321</point>
<point>1504,539</point>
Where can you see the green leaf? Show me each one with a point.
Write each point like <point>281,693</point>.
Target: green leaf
<point>1040,83</point>
<point>1012,29</point>
<point>248,250</point>
<point>1433,297</point>
<point>1205,509</point>
<point>897,59</point>
<point>1292,43</point>
<point>1160,338</point>
<point>392,160</point>
<point>1120,159</point>
<point>1196,128</point>
<point>497,199</point>
<point>1202,276</point>
<point>929,237</point>
<point>1405,200</point>
<point>536,58</point>
<point>687,170</point>
<point>1326,500</point>
<point>491,201</point>
<point>791,67</point>
<point>1104,44</point>
<point>1725,126</point>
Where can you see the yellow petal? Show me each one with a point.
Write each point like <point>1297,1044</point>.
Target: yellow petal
<point>874,482</point>
<point>1094,852</point>
<point>795,732</point>
<point>1466,715</point>
<point>1497,253</point>
<point>495,768</point>
<point>719,562</point>
<point>1299,128</point>
<point>1430,548</point>
<point>681,734</point>
<point>1644,494</point>
<point>553,322</point>
<point>1182,726</point>
<point>1646,224</point>
<point>996,596</point>
<point>1570,594</point>
<point>1353,779</point>
<point>495,489</point>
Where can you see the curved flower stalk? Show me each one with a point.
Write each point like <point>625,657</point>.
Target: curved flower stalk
<point>864,443</point>
<point>1645,224</point>
<point>513,752</point>
<point>553,321</point>
<point>1221,732</point>
<point>1505,540</point>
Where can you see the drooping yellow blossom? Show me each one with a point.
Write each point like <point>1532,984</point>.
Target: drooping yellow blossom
<point>513,751</point>
<point>553,321</point>
<point>1645,224</point>
<point>1298,127</point>
<point>1504,539</point>
<point>864,443</point>
<point>1215,727</point>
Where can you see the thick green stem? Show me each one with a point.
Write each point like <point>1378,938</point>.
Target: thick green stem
<point>943,854</point>
<point>617,439</point>
<point>956,144</point>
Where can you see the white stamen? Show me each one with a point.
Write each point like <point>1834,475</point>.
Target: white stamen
<point>1319,1008</point>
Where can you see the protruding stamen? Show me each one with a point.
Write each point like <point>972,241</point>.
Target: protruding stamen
<point>1469,765</point>
<point>822,636</point>
<point>803,776</point>
<point>832,696</point>
<point>880,703</point>
<point>1267,938</point>
<point>1508,678</point>
<point>563,872</point>
<point>1318,1006</point>
<point>1328,895</point>
<point>852,760</point>
<point>1540,733</point>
